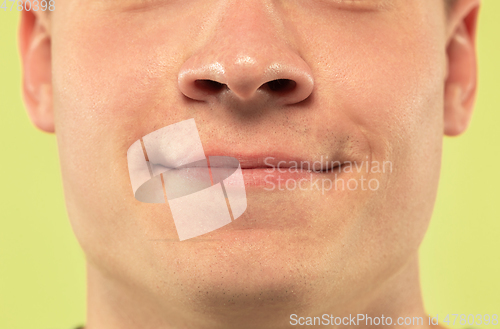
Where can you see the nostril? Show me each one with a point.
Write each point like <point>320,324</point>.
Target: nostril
<point>210,86</point>
<point>281,85</point>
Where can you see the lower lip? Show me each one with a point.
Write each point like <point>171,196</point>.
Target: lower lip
<point>260,177</point>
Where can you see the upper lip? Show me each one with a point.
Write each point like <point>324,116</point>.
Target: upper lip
<point>270,160</point>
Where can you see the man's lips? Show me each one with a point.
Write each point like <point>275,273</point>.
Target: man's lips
<point>272,163</point>
<point>269,163</point>
<point>290,167</point>
<point>264,170</point>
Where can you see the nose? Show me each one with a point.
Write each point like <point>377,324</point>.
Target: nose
<point>248,58</point>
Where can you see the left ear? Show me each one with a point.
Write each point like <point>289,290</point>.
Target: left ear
<point>35,51</point>
<point>461,82</point>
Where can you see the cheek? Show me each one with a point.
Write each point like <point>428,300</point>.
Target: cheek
<point>107,78</point>
<point>109,82</point>
<point>389,82</point>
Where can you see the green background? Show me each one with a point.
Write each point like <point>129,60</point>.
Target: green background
<point>42,269</point>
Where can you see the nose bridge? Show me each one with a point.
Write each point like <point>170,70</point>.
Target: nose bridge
<point>248,37</point>
<point>247,49</point>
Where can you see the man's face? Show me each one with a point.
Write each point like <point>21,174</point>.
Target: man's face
<point>369,77</point>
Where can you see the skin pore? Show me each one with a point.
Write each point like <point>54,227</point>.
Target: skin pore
<point>376,80</point>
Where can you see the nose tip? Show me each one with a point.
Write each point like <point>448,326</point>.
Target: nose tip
<point>285,81</point>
